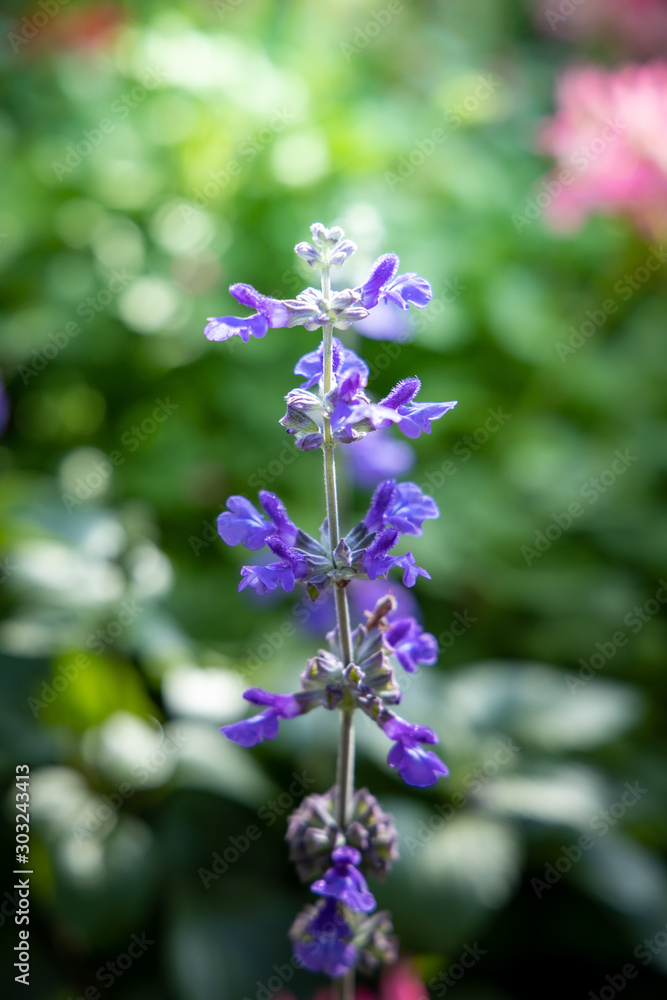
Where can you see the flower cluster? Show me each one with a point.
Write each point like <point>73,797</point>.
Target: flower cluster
<point>338,838</point>
<point>368,683</point>
<point>364,553</point>
<point>312,308</point>
<point>347,407</point>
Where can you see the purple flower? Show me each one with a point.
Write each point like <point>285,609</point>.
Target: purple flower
<point>344,882</point>
<point>270,312</point>
<point>379,456</point>
<point>250,732</point>
<point>243,524</point>
<point>377,562</point>
<point>413,417</point>
<point>323,940</point>
<point>418,767</point>
<point>404,290</point>
<point>402,506</point>
<point>264,726</point>
<point>406,640</point>
<point>344,362</point>
<point>262,579</point>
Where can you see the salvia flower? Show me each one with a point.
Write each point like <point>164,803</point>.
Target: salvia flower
<point>406,640</point>
<point>329,249</point>
<point>344,882</point>
<point>322,939</point>
<point>337,839</point>
<point>264,726</point>
<point>365,552</point>
<point>350,410</point>
<point>416,765</point>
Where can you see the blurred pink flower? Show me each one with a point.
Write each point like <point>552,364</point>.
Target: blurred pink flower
<point>640,25</point>
<point>609,138</point>
<point>399,982</point>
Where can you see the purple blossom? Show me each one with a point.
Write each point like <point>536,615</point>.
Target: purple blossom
<point>262,579</point>
<point>406,640</point>
<point>344,362</point>
<point>264,726</point>
<point>418,767</point>
<point>344,882</point>
<point>403,290</point>
<point>270,312</point>
<point>324,941</point>
<point>243,524</point>
<point>377,562</point>
<point>250,732</point>
<point>402,506</point>
<point>413,418</point>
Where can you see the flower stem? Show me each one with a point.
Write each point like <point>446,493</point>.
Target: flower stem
<point>345,988</point>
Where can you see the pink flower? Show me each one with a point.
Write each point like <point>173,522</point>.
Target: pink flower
<point>609,138</point>
<point>398,982</point>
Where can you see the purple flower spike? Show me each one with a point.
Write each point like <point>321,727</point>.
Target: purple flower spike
<point>406,640</point>
<point>324,941</point>
<point>344,882</point>
<point>255,730</point>
<point>418,767</point>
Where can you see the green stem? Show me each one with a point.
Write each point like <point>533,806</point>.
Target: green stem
<point>345,768</point>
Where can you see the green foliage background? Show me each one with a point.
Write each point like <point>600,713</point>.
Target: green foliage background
<point>85,548</point>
